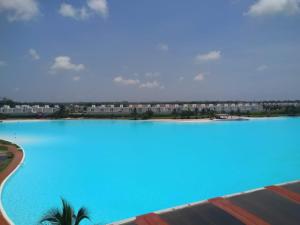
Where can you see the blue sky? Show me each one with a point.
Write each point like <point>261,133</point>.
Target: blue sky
<point>143,50</point>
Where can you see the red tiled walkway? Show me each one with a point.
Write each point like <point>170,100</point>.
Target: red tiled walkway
<point>285,193</point>
<point>276,205</point>
<point>238,212</point>
<point>18,155</point>
<point>150,219</point>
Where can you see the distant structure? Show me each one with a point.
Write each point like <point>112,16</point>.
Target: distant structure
<point>29,110</point>
<point>140,108</point>
<point>170,108</point>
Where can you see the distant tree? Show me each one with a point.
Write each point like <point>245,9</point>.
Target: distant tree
<point>196,112</point>
<point>203,111</point>
<point>134,114</point>
<point>7,101</point>
<point>186,114</point>
<point>65,216</point>
<point>148,114</point>
<point>189,113</point>
<point>291,110</point>
<point>211,114</point>
<point>62,112</point>
<point>174,113</point>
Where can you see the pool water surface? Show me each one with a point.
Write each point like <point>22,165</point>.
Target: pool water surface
<point>119,169</point>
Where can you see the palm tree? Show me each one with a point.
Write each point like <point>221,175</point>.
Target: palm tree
<point>66,216</point>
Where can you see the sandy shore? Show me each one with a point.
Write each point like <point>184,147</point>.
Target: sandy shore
<point>182,120</point>
<point>206,120</point>
<point>155,120</point>
<point>17,159</point>
<point>215,120</point>
<point>23,120</point>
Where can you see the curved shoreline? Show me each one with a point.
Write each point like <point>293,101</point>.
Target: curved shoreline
<point>13,166</point>
<point>200,120</point>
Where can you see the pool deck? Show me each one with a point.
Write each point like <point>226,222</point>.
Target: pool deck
<point>276,205</point>
<point>17,159</point>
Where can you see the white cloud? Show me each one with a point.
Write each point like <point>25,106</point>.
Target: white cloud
<point>33,53</point>
<point>181,78</point>
<point>76,78</point>
<point>199,77</point>
<point>152,84</point>
<point>163,47</point>
<point>210,56</point>
<point>64,63</point>
<point>68,10</point>
<point>272,7</point>
<point>99,6</point>
<point>262,68</point>
<point>83,13</point>
<point>19,10</point>
<point>2,63</point>
<point>141,84</point>
<point>123,81</point>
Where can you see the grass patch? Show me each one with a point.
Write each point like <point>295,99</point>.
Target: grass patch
<point>4,164</point>
<point>3,142</point>
<point>3,148</point>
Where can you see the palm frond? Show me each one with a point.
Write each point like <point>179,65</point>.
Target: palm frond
<point>53,216</point>
<point>65,216</point>
<point>67,213</point>
<point>81,215</point>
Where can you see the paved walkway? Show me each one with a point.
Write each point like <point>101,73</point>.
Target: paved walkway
<point>18,155</point>
<point>276,205</point>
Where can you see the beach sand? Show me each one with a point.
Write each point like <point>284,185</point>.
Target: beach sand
<point>182,120</point>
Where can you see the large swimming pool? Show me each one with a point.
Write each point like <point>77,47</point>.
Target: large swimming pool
<point>119,169</point>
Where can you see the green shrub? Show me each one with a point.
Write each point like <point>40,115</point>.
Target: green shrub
<point>3,148</point>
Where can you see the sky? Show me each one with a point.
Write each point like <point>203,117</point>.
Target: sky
<point>149,50</point>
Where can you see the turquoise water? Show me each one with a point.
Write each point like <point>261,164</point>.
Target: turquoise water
<point>119,169</point>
